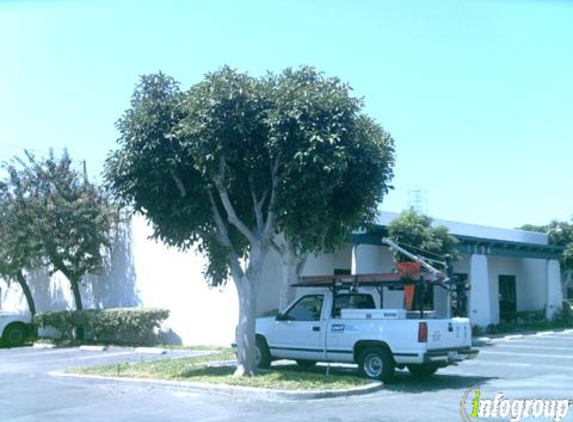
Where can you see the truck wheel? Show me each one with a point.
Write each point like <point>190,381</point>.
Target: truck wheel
<point>422,371</point>
<point>306,364</point>
<point>14,334</point>
<point>263,356</point>
<point>377,363</point>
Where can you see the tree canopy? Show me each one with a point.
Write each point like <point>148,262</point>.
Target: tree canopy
<point>339,160</point>
<point>20,247</point>
<point>66,221</point>
<point>235,160</point>
<point>559,233</point>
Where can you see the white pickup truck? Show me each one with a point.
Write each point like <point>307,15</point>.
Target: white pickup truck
<point>14,327</point>
<point>331,326</point>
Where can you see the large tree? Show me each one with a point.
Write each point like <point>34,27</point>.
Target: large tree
<point>220,166</point>
<point>69,217</point>
<point>20,247</point>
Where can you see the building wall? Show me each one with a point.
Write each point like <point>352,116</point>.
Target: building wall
<point>327,263</point>
<point>533,294</point>
<point>269,289</point>
<point>531,279</point>
<point>142,272</point>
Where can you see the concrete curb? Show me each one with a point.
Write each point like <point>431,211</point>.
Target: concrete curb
<point>44,346</point>
<point>514,337</point>
<point>497,337</point>
<point>544,333</point>
<point>481,341</point>
<point>150,350</point>
<point>93,348</point>
<point>236,391</point>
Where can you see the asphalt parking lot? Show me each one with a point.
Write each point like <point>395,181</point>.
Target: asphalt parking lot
<point>537,366</point>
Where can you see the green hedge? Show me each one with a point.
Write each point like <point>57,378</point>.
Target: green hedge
<point>128,325</point>
<point>529,321</point>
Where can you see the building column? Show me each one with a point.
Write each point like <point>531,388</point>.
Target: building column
<point>480,295</point>
<point>554,291</point>
<point>366,259</point>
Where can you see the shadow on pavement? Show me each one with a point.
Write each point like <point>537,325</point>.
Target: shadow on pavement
<point>405,382</point>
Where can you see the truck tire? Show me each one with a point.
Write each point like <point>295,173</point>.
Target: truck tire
<point>306,364</point>
<point>14,334</point>
<point>263,356</point>
<point>422,371</point>
<point>377,363</point>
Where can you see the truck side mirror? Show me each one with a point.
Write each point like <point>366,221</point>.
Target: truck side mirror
<point>281,317</point>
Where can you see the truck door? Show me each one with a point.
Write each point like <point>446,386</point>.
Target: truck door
<point>299,332</point>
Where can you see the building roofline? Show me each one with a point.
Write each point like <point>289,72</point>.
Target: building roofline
<point>476,230</point>
<point>502,246</point>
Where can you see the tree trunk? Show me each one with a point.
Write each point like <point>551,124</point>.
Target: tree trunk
<point>247,290</point>
<point>27,292</point>
<point>77,296</point>
<point>246,341</point>
<point>80,334</point>
<point>293,265</point>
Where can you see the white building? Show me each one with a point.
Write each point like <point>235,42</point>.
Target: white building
<point>508,270</point>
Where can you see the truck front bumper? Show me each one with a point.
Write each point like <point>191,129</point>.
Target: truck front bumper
<point>445,357</point>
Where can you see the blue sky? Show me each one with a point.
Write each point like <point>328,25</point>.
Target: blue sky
<point>477,94</point>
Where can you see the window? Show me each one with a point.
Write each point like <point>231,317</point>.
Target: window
<point>353,301</point>
<point>308,308</point>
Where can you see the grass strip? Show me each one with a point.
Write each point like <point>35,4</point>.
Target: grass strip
<point>198,369</point>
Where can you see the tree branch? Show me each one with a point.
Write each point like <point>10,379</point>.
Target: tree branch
<point>301,263</point>
<point>263,198</point>
<point>271,204</point>
<point>228,206</point>
<point>223,235</point>
<point>276,247</point>
<point>179,184</point>
<point>256,206</point>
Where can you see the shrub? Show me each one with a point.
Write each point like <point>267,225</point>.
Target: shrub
<point>477,331</point>
<point>129,325</point>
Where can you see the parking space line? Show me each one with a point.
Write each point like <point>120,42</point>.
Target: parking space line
<point>104,355</point>
<point>483,362</point>
<point>538,355</point>
<point>534,366</point>
<point>538,340</point>
<point>44,352</point>
<point>532,346</point>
